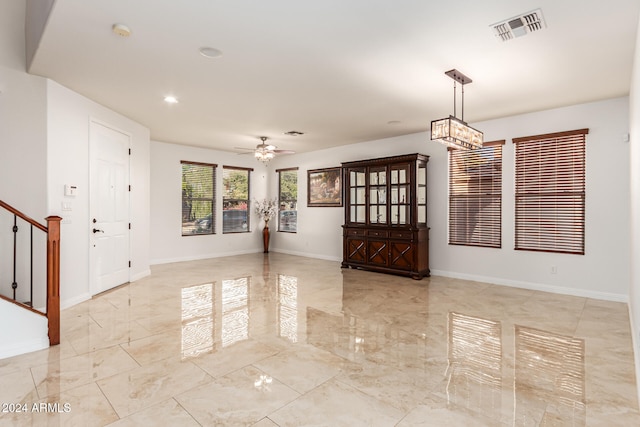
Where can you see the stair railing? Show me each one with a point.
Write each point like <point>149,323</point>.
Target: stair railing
<point>52,230</point>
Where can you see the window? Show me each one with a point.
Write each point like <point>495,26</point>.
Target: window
<point>198,198</point>
<point>288,200</point>
<point>475,196</point>
<point>235,200</point>
<point>550,192</point>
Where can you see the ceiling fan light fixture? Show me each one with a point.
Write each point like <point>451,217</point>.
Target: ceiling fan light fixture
<point>263,155</point>
<point>452,131</point>
<point>264,152</point>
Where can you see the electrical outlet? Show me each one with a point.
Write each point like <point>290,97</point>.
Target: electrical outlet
<point>554,269</point>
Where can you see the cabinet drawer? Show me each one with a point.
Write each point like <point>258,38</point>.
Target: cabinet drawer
<point>401,234</point>
<point>377,233</point>
<point>354,232</point>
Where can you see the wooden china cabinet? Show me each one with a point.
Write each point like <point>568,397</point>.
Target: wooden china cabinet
<point>385,225</point>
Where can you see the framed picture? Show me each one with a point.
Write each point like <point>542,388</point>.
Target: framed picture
<point>324,187</point>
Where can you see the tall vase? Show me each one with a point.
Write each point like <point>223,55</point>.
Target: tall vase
<point>265,236</point>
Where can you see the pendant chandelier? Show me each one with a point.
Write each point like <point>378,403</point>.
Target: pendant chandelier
<point>454,132</point>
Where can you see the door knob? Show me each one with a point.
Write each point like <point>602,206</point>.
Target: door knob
<point>95,230</point>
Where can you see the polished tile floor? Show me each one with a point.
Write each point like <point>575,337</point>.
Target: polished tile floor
<point>280,340</point>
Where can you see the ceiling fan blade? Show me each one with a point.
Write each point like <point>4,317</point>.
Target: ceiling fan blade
<point>242,148</point>
<point>284,151</point>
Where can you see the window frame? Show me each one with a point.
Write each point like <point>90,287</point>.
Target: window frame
<point>469,190</point>
<point>554,198</point>
<point>202,199</point>
<point>281,201</point>
<point>228,200</point>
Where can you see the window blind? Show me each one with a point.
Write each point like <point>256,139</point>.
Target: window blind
<point>475,196</point>
<point>198,198</point>
<point>288,200</point>
<point>236,211</point>
<point>550,192</point>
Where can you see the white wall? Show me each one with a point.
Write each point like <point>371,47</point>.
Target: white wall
<point>22,119</point>
<point>23,152</point>
<point>68,117</point>
<point>634,291</point>
<point>603,272</point>
<point>167,242</point>
<point>27,332</point>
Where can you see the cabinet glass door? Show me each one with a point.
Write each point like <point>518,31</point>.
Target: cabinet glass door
<point>357,195</point>
<point>400,194</point>
<point>378,195</point>
<point>421,191</point>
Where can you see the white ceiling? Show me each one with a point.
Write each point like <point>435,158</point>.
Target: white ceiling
<point>337,70</point>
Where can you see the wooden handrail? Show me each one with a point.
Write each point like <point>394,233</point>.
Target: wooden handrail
<point>23,216</point>
<point>26,307</point>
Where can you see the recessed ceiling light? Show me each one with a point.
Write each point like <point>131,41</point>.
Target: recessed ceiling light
<point>121,30</point>
<point>210,52</point>
<point>170,99</point>
<point>294,133</point>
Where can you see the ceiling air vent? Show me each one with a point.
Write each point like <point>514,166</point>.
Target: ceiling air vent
<point>519,26</point>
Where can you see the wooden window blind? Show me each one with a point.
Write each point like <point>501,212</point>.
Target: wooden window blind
<point>550,192</point>
<point>198,198</point>
<point>475,196</point>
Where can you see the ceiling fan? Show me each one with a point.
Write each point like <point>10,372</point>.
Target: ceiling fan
<point>265,152</point>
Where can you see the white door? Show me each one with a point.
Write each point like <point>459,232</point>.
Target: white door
<point>109,207</point>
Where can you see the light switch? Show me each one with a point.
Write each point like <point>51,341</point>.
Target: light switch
<point>70,190</point>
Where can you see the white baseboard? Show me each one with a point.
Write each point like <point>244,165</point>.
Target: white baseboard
<point>534,286</point>
<point>140,275</point>
<point>253,251</point>
<point>75,300</point>
<point>307,255</point>
<point>635,343</point>
<point>202,256</point>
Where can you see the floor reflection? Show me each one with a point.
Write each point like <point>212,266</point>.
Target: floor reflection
<point>235,310</point>
<point>549,369</point>
<point>289,341</point>
<point>199,325</point>
<point>549,383</point>
<point>475,365</point>
<point>198,320</point>
<point>288,307</point>
<point>372,329</point>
